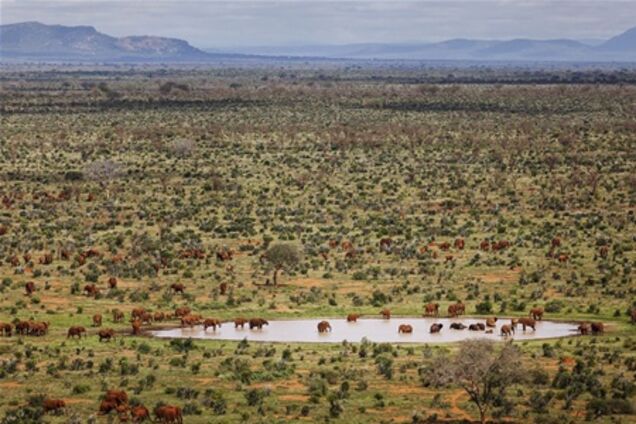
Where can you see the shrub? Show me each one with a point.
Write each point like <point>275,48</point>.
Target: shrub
<point>554,306</point>
<point>484,307</point>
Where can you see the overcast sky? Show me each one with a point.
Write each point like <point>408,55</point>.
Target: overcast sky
<point>208,23</point>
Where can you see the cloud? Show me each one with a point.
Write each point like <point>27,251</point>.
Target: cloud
<point>210,23</point>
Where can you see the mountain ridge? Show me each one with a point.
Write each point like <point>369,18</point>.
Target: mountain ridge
<point>37,41</point>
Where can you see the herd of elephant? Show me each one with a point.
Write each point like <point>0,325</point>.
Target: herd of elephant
<point>506,330</point>
<point>190,320</point>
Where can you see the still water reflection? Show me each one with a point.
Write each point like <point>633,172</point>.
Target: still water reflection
<point>376,330</point>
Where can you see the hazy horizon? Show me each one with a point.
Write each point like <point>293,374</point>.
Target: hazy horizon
<point>222,24</point>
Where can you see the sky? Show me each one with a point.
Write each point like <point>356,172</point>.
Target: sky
<point>239,23</point>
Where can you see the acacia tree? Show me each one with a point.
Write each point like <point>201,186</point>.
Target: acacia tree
<point>282,256</point>
<point>480,369</point>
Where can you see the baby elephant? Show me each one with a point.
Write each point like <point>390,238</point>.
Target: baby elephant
<point>405,328</point>
<point>507,330</point>
<point>436,328</point>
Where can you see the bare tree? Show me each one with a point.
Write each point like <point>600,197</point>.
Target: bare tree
<point>183,148</point>
<point>103,171</point>
<point>593,179</point>
<point>481,369</point>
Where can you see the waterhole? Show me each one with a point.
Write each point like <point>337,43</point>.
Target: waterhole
<point>376,330</point>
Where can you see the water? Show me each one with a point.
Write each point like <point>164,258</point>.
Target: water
<point>376,330</point>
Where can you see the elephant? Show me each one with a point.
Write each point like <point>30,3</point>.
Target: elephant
<point>106,334</point>
<point>477,327</point>
<point>405,328</point>
<point>456,309</point>
<point>431,309</point>
<point>457,326</point>
<point>353,317</point>
<point>386,313</point>
<point>597,328</point>
<point>76,331</point>
<point>190,321</point>
<point>436,328</point>
<point>257,323</point>
<point>490,322</point>
<point>240,322</point>
<point>97,320</point>
<point>507,330</point>
<point>584,328</point>
<point>536,314</point>
<point>324,326</point>
<point>5,329</point>
<point>182,311</point>
<point>211,322</point>
<point>528,322</point>
<point>177,288</point>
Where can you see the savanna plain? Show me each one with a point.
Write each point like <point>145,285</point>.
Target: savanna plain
<point>138,198</point>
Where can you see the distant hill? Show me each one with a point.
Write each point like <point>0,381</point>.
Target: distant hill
<point>37,41</point>
<point>625,42</point>
<point>34,40</point>
<point>621,48</point>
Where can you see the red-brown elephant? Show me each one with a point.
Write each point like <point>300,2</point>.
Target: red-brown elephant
<point>324,326</point>
<point>52,405</point>
<point>177,288</point>
<point>29,288</point>
<point>584,328</point>
<point>168,414</point>
<point>139,414</point>
<point>258,323</point>
<point>528,322</point>
<point>182,311</point>
<point>190,321</point>
<point>507,330</point>
<point>76,331</point>
<point>436,328</point>
<point>112,282</point>
<point>405,328</point>
<point>118,316</point>
<point>456,309</point>
<point>536,313</point>
<point>106,334</point>
<point>6,329</point>
<point>597,328</point>
<point>97,320</point>
<point>431,309</point>
<point>211,322</point>
<point>240,322</point>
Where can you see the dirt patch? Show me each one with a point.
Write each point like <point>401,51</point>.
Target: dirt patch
<point>504,276</point>
<point>10,384</point>
<point>71,401</point>
<point>455,410</point>
<point>52,300</point>
<point>289,385</point>
<point>294,398</point>
<point>410,390</point>
<point>341,286</point>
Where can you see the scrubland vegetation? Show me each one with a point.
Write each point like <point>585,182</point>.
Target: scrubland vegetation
<point>266,192</point>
